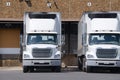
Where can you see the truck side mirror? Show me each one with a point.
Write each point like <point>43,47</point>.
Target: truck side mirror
<point>63,43</point>
<point>23,46</point>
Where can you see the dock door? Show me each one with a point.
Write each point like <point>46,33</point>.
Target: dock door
<point>10,42</point>
<point>69,31</point>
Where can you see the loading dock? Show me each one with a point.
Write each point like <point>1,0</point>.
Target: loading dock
<point>10,42</point>
<point>10,32</point>
<point>69,30</point>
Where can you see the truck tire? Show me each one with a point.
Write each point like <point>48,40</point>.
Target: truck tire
<point>31,69</point>
<point>83,65</point>
<point>118,70</point>
<point>88,69</point>
<point>56,69</point>
<point>79,64</point>
<point>115,70</point>
<point>25,69</point>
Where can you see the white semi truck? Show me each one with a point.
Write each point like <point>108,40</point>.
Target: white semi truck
<point>42,41</point>
<point>99,41</point>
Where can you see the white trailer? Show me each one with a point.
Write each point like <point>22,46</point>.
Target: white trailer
<point>42,41</point>
<point>99,40</point>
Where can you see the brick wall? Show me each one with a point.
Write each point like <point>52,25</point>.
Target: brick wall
<point>70,9</point>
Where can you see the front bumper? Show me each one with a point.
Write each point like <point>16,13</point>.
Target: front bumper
<point>39,62</point>
<point>103,63</point>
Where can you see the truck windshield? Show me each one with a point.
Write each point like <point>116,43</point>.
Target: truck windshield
<point>104,39</point>
<point>42,39</point>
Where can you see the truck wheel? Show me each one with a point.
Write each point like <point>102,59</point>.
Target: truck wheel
<point>118,70</point>
<point>88,69</point>
<point>25,69</point>
<point>79,64</point>
<point>31,69</point>
<point>56,69</point>
<point>83,65</point>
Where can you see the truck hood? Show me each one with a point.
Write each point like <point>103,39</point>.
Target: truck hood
<point>42,46</point>
<point>106,46</point>
<point>92,49</point>
<point>54,48</point>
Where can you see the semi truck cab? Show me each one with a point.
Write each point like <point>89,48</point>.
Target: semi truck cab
<point>42,41</point>
<point>99,40</point>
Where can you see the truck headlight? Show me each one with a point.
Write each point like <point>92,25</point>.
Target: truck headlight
<point>57,56</point>
<point>26,56</point>
<point>90,56</point>
<point>58,48</point>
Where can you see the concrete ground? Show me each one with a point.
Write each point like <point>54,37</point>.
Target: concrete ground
<point>10,68</point>
<point>68,68</point>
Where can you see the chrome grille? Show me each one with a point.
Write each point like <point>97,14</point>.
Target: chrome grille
<point>38,53</point>
<point>106,53</point>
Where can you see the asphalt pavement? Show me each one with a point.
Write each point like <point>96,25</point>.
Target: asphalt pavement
<point>15,73</point>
